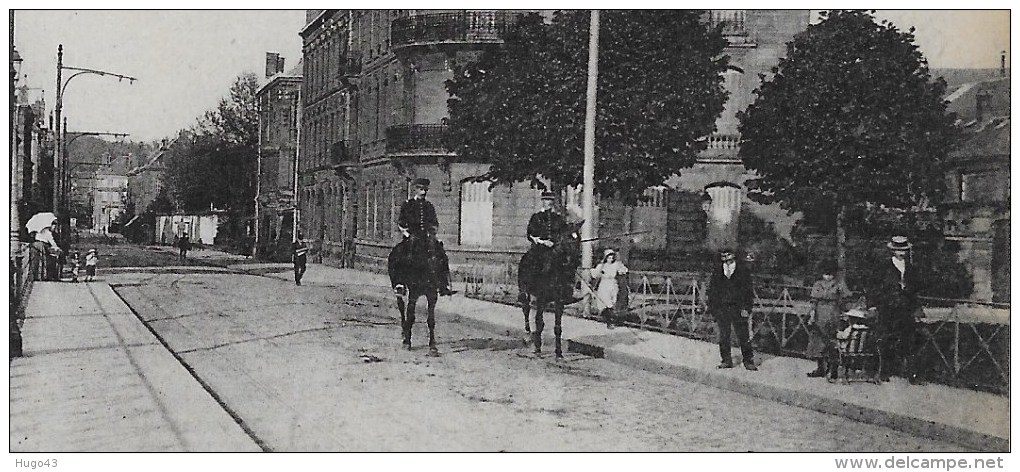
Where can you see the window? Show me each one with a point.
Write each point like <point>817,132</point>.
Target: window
<point>984,187</point>
<point>475,214</point>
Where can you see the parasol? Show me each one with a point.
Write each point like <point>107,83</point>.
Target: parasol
<point>39,221</point>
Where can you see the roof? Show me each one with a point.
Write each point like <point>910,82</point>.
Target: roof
<point>991,135</point>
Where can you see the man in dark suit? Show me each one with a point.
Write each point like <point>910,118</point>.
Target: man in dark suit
<point>730,299</point>
<point>546,224</point>
<point>894,293</point>
<point>418,222</point>
<point>300,250</point>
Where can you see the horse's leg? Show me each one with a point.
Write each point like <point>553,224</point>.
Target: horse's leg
<point>431,297</point>
<point>525,300</point>
<point>557,328</point>
<point>402,307</point>
<point>536,336</point>
<point>412,300</point>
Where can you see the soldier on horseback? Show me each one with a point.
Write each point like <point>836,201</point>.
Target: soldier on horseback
<point>418,223</point>
<point>546,224</point>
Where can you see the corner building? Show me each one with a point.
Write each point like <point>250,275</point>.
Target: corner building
<point>374,103</point>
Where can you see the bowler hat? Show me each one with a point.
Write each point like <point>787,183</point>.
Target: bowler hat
<point>548,196</point>
<point>422,183</point>
<point>899,243</point>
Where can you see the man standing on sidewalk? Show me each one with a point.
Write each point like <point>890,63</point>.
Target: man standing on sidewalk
<point>730,299</point>
<point>300,258</point>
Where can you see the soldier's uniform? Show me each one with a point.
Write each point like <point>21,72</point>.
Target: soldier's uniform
<point>418,218</point>
<point>546,224</point>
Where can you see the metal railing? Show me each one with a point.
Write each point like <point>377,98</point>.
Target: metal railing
<point>958,347</point>
<point>21,277</point>
<point>458,27</point>
<point>416,139</point>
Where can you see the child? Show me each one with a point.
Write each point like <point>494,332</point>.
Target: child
<point>75,262</point>
<point>91,260</point>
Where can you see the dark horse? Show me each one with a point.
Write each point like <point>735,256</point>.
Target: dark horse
<point>546,276</point>
<point>412,271</point>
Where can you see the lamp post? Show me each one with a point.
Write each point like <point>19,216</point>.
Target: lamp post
<point>60,199</point>
<point>15,164</point>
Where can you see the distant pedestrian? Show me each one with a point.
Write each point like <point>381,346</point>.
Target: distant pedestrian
<point>730,299</point>
<point>827,297</point>
<point>184,244</point>
<point>300,258</point>
<point>608,288</point>
<point>91,261</point>
<point>75,261</point>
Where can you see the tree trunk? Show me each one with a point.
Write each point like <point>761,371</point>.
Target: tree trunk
<point>841,242</point>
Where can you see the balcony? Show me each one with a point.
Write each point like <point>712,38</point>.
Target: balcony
<point>734,26</point>
<point>416,140</point>
<point>350,66</point>
<point>721,148</point>
<point>466,27</point>
<point>340,153</point>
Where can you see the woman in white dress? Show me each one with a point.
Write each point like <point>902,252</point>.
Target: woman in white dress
<point>605,295</point>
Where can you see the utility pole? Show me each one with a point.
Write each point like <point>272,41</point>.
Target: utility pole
<point>588,195</point>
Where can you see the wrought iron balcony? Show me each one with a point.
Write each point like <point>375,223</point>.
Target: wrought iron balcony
<point>451,28</point>
<point>416,139</point>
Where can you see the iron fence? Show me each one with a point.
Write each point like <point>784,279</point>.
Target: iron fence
<point>21,277</point>
<point>957,347</point>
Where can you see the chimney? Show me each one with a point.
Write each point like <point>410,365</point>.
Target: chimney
<point>983,101</point>
<point>279,65</point>
<point>272,63</point>
<point>1002,63</point>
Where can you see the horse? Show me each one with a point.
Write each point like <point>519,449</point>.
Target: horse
<point>412,272</point>
<point>546,276</point>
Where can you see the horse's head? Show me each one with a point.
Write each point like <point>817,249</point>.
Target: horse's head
<point>567,250</point>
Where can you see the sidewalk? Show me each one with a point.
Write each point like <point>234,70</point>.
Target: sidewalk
<point>973,419</point>
<point>94,378</point>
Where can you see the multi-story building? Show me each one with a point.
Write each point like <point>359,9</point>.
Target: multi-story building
<point>109,201</point>
<point>977,212</point>
<point>375,100</point>
<point>34,154</point>
<point>275,201</point>
<point>333,43</point>
<point>145,184</point>
<point>757,40</point>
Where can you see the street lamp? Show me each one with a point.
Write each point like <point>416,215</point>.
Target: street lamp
<point>60,198</point>
<point>15,165</point>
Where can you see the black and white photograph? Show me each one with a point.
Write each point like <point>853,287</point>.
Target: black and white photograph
<point>576,230</point>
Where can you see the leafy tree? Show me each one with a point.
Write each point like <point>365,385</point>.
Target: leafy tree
<point>235,118</point>
<point>850,122</point>
<point>521,107</point>
<point>213,165</point>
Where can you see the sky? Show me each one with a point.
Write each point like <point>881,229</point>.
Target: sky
<point>185,61</point>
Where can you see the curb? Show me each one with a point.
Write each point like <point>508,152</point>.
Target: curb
<point>914,426</point>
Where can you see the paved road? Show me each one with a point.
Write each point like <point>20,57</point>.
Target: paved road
<point>321,369</point>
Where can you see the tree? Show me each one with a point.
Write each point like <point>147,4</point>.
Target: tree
<point>520,107</point>
<point>235,120</point>
<point>850,122</point>
<point>213,165</point>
